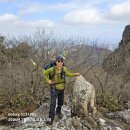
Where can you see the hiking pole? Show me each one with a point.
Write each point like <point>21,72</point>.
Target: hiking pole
<point>52,84</point>
<point>57,83</point>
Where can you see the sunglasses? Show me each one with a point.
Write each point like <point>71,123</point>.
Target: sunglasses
<point>60,61</point>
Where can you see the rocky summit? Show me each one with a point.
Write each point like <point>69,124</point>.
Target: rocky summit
<point>36,120</point>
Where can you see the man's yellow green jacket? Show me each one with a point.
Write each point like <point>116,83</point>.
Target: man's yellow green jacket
<point>57,78</point>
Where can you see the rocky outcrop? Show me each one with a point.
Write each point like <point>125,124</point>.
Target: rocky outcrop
<point>85,95</point>
<point>83,100</point>
<point>36,121</point>
<point>117,66</point>
<point>119,61</point>
<point>120,115</point>
<point>125,36</point>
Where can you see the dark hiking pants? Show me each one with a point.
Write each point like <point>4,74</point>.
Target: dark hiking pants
<point>56,96</point>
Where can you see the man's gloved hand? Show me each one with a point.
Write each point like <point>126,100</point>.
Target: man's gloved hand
<point>50,82</point>
<point>77,74</point>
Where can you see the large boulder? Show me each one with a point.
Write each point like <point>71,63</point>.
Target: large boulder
<point>83,100</point>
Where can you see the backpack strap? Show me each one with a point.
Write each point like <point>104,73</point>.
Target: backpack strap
<point>63,73</point>
<point>54,72</point>
<point>51,76</point>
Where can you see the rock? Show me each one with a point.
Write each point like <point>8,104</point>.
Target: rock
<point>102,109</point>
<point>76,123</point>
<point>83,100</point>
<point>102,121</point>
<point>68,123</point>
<point>2,117</point>
<point>129,105</point>
<point>121,115</point>
<point>2,128</point>
<point>35,122</point>
<point>86,124</point>
<point>127,127</point>
<point>117,64</point>
<point>126,34</point>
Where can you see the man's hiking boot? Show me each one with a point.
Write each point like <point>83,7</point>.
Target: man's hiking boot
<point>49,121</point>
<point>60,115</point>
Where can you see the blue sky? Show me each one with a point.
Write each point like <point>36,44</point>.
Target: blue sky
<point>104,20</point>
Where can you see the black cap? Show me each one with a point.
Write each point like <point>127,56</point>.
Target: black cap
<point>59,58</point>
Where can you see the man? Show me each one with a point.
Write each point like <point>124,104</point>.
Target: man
<point>57,84</point>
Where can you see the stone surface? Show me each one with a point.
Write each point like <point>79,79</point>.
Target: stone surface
<point>83,100</point>
<point>36,121</point>
<point>2,117</point>
<point>126,34</point>
<point>129,105</point>
<point>121,55</point>
<point>121,115</point>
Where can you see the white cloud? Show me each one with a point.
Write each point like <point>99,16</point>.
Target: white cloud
<point>98,13</point>
<point>61,6</point>
<point>80,14</point>
<point>11,24</point>
<point>120,12</point>
<point>34,24</point>
<point>83,16</point>
<point>14,20</point>
<point>31,8</point>
<point>7,0</point>
<point>8,18</point>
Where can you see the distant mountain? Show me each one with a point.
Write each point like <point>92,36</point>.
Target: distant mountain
<point>87,55</point>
